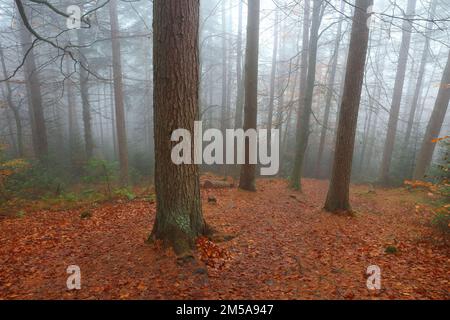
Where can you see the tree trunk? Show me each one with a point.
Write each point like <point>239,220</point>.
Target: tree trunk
<point>435,124</point>
<point>86,108</point>
<point>305,114</point>
<point>14,109</point>
<point>118,94</point>
<point>273,74</point>
<point>240,83</point>
<point>39,128</point>
<point>330,90</point>
<point>295,179</point>
<point>338,192</point>
<point>179,218</point>
<point>398,90</point>
<point>418,88</point>
<point>247,178</point>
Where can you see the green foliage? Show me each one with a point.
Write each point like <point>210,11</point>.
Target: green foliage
<point>8,170</point>
<point>391,250</point>
<point>126,193</point>
<point>441,221</point>
<point>20,214</point>
<point>98,170</point>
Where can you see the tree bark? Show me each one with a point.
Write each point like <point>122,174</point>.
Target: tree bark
<point>338,192</point>
<point>273,74</point>
<point>179,220</point>
<point>14,109</point>
<point>247,178</point>
<point>118,94</point>
<point>305,114</point>
<point>434,125</point>
<point>398,90</point>
<point>240,83</point>
<point>418,88</point>
<point>86,108</point>
<point>38,126</point>
<point>330,90</point>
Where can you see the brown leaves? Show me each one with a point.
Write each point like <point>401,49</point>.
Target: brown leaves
<point>211,254</point>
<point>287,248</point>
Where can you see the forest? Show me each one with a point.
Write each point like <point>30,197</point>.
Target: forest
<point>224,149</point>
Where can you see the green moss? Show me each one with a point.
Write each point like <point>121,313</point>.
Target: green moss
<point>391,250</point>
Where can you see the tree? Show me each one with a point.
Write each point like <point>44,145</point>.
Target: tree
<point>14,108</point>
<point>338,192</point>
<point>84,89</point>
<point>434,125</point>
<point>240,84</point>
<point>247,178</point>
<point>398,90</point>
<point>418,87</point>
<point>305,112</point>
<point>33,84</point>
<point>273,73</point>
<point>179,220</point>
<point>118,94</point>
<point>330,90</point>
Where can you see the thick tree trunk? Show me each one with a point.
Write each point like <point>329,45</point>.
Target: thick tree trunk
<point>305,114</point>
<point>338,192</point>
<point>247,178</point>
<point>398,90</point>
<point>434,125</point>
<point>330,89</point>
<point>179,220</point>
<point>118,94</point>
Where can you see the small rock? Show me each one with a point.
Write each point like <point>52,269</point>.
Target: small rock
<point>200,271</point>
<point>212,199</point>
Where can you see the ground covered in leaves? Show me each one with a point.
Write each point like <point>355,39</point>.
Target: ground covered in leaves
<point>285,247</point>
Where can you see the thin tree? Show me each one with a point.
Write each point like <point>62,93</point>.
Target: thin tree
<point>330,89</point>
<point>273,73</point>
<point>33,84</point>
<point>434,125</point>
<point>86,108</point>
<point>338,192</point>
<point>118,94</point>
<point>247,178</point>
<point>14,108</point>
<point>240,83</point>
<point>398,90</point>
<point>305,113</point>
<point>419,87</point>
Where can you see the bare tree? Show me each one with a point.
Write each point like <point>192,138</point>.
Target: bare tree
<point>118,94</point>
<point>398,90</point>
<point>305,113</point>
<point>338,192</point>
<point>434,125</point>
<point>247,178</point>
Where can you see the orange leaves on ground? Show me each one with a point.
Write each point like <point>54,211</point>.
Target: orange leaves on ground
<point>418,184</point>
<point>211,254</point>
<point>283,249</point>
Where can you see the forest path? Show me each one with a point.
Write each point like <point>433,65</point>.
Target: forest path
<point>286,247</point>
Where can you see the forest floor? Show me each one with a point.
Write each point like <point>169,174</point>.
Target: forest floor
<point>286,247</point>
